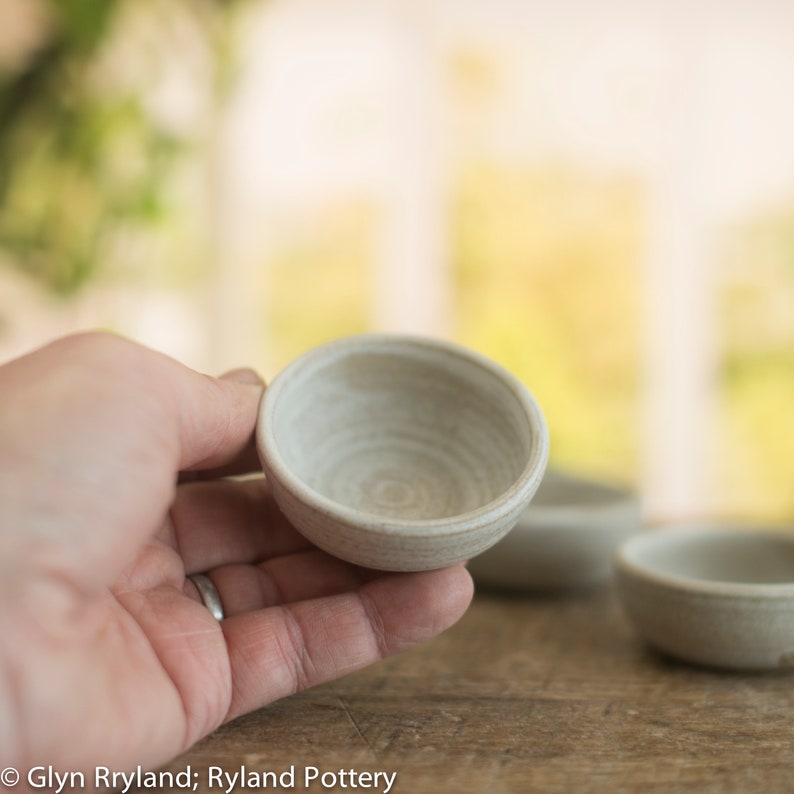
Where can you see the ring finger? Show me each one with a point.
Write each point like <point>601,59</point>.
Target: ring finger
<point>283,580</point>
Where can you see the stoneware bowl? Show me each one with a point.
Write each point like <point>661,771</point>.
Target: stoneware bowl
<point>566,538</point>
<point>710,595</point>
<point>400,453</point>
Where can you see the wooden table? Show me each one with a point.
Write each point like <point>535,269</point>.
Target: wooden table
<point>526,694</point>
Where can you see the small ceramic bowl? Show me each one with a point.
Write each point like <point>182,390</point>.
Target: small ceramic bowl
<point>715,596</point>
<point>566,538</point>
<point>400,453</point>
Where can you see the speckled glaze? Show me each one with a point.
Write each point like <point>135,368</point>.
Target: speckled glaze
<point>714,596</point>
<point>400,453</point>
<point>566,538</point>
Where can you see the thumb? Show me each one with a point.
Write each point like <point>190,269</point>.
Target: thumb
<point>244,375</point>
<point>247,459</point>
<point>217,417</point>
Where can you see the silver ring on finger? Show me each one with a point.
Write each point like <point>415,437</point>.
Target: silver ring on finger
<point>209,594</point>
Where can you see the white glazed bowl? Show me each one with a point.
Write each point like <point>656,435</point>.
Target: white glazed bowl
<point>400,453</point>
<point>566,538</point>
<point>715,596</point>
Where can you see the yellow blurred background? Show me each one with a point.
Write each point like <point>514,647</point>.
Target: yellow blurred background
<point>598,195</point>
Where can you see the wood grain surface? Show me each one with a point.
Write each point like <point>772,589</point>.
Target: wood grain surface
<point>526,694</point>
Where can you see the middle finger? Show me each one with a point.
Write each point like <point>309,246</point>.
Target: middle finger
<point>226,522</point>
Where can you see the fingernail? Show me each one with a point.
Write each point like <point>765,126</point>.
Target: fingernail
<point>244,375</point>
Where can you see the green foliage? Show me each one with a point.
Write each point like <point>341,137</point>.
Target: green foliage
<point>83,23</point>
<point>78,160</point>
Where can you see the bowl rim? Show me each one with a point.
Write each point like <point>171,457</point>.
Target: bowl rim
<point>578,515</point>
<point>681,533</point>
<point>524,486</point>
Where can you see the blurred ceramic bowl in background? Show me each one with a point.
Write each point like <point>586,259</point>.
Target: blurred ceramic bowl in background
<point>712,595</point>
<point>566,538</point>
<point>400,453</point>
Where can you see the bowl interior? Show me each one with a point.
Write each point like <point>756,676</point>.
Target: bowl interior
<point>728,556</point>
<point>402,430</point>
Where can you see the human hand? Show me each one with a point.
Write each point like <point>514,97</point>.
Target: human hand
<point>108,656</point>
